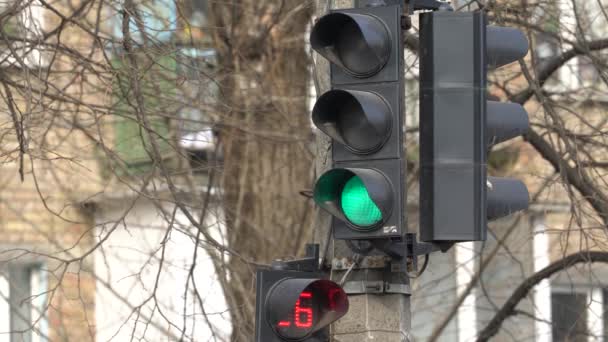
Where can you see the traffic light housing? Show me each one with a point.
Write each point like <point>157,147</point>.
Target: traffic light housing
<point>296,306</point>
<point>458,125</point>
<point>363,115</point>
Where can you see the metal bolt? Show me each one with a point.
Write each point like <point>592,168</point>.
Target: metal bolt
<point>278,264</point>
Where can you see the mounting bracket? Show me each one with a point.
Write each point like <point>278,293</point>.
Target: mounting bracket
<point>308,264</point>
<point>409,247</point>
<point>408,250</point>
<point>432,5</point>
<point>375,287</point>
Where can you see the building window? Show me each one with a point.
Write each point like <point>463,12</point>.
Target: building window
<point>546,42</point>
<point>193,22</point>
<point>23,304</point>
<point>546,48</point>
<point>180,95</point>
<point>21,29</point>
<point>578,314</point>
<point>159,19</point>
<point>166,21</point>
<point>132,143</point>
<point>563,21</point>
<point>178,85</point>
<point>581,21</point>
<point>592,25</point>
<point>569,314</point>
<point>197,67</point>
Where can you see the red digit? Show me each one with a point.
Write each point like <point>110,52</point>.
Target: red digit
<point>303,311</point>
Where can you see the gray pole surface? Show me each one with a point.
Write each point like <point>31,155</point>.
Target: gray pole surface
<point>371,317</point>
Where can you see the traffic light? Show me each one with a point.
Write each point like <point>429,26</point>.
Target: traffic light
<point>296,306</point>
<point>362,114</point>
<point>458,125</point>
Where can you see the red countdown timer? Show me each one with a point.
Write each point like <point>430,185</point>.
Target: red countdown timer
<point>297,308</point>
<point>301,320</point>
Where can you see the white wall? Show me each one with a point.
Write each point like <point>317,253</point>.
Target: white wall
<point>433,294</point>
<point>128,263</point>
<point>465,270</point>
<point>542,291</point>
<point>5,320</point>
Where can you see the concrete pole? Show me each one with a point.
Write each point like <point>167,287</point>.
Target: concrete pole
<point>371,317</point>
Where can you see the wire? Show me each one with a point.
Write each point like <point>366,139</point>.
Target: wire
<point>356,259</point>
<point>326,249</point>
<point>424,265</point>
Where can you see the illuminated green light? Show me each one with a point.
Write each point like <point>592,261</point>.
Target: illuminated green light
<point>357,206</point>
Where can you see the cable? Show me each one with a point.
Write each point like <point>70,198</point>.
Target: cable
<point>326,249</point>
<point>419,273</point>
<point>356,259</point>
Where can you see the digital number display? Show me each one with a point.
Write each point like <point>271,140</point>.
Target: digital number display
<point>300,308</point>
<point>301,319</point>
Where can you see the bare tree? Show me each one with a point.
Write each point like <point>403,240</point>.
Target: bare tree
<point>187,122</point>
<point>107,101</point>
<point>266,138</point>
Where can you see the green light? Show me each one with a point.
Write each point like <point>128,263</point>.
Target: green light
<point>357,206</point>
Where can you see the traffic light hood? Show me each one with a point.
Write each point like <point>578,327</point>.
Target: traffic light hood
<point>358,43</point>
<point>505,120</point>
<point>359,120</point>
<point>506,196</point>
<point>504,45</point>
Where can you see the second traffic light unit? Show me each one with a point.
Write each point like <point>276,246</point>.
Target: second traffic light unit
<point>363,115</point>
<point>296,306</point>
<point>458,126</point>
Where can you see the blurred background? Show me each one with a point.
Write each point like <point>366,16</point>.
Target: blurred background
<point>154,152</point>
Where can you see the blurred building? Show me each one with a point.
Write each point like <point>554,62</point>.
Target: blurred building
<point>93,246</point>
<point>46,289</point>
<point>92,243</point>
<point>156,272</point>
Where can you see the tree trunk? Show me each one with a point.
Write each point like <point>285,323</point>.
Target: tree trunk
<point>265,132</point>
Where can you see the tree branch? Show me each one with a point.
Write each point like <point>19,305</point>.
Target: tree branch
<point>579,180</point>
<point>557,62</point>
<point>508,309</point>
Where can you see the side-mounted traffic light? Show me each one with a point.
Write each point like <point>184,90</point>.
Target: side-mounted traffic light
<point>296,306</point>
<point>362,114</point>
<point>458,126</point>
